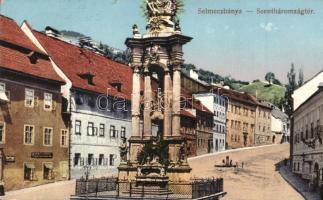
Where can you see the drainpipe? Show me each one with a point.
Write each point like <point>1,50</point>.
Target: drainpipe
<point>69,136</point>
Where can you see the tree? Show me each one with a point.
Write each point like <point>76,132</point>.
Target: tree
<point>101,46</point>
<point>189,66</point>
<point>270,77</point>
<point>300,77</point>
<point>290,87</point>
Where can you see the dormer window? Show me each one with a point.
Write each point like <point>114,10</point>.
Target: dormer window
<point>116,85</point>
<point>32,57</point>
<point>88,76</point>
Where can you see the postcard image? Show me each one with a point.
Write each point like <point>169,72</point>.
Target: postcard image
<point>161,99</point>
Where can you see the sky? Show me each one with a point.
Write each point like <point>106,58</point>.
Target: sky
<point>244,46</point>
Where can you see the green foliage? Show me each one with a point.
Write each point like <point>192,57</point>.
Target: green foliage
<point>151,150</point>
<point>300,77</point>
<point>72,33</point>
<point>290,87</point>
<point>270,77</point>
<point>188,67</point>
<point>269,92</point>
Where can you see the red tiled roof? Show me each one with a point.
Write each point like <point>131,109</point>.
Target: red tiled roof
<point>234,95</point>
<point>187,114</point>
<point>73,61</point>
<point>11,33</point>
<point>260,103</point>
<point>16,59</point>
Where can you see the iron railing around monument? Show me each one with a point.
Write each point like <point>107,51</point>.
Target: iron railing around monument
<point>95,186</point>
<point>206,187</point>
<point>112,188</point>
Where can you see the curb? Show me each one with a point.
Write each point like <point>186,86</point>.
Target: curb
<point>232,150</point>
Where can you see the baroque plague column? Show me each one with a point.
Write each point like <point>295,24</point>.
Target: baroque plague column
<point>157,57</point>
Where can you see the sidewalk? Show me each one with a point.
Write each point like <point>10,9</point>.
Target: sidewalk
<point>53,191</point>
<point>298,184</point>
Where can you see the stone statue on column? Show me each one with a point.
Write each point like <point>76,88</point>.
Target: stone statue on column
<point>161,14</point>
<point>123,151</point>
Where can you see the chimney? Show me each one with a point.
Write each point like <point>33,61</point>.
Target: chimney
<point>51,32</point>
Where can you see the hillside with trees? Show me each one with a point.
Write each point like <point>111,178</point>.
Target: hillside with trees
<point>213,78</point>
<point>273,93</point>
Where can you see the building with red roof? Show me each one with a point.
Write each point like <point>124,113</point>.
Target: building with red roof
<point>33,135</point>
<point>248,120</point>
<point>98,93</point>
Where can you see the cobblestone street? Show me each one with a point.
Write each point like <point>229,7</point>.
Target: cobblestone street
<point>258,180</point>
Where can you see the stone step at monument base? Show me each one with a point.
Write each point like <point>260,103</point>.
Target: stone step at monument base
<point>150,190</point>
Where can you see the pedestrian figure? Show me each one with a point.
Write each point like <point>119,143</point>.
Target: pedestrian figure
<point>242,165</point>
<point>230,163</point>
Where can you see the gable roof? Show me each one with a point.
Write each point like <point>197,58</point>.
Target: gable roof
<point>234,95</point>
<point>16,50</point>
<point>11,33</point>
<point>75,62</point>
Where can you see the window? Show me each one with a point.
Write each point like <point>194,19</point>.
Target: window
<point>77,158</point>
<point>48,133</point>
<point>90,159</point>
<point>113,132</point>
<point>48,101</point>
<point>2,87</point>
<point>101,159</point>
<point>48,171</point>
<point>29,134</point>
<point>4,95</point>
<point>102,130</point>
<point>111,159</point>
<point>123,132</point>
<point>64,138</point>
<point>29,97</point>
<point>2,132</point>
<point>90,129</point>
<point>29,171</point>
<point>78,127</point>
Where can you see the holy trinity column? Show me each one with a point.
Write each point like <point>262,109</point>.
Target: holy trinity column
<point>157,58</point>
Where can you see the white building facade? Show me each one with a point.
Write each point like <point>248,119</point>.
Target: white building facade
<point>280,126</point>
<point>96,134</point>
<point>307,152</point>
<point>216,104</point>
